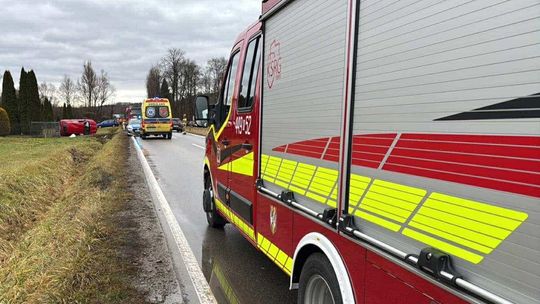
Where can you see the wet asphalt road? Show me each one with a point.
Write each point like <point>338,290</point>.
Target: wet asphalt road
<point>237,271</point>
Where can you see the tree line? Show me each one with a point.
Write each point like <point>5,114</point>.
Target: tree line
<point>46,103</point>
<point>180,79</point>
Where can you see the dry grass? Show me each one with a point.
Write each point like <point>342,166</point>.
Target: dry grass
<point>197,131</point>
<point>62,243</point>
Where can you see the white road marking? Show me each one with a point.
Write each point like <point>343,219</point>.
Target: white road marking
<point>202,288</point>
<point>200,147</point>
<point>196,135</point>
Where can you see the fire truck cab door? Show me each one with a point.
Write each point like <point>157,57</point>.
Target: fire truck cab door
<point>245,137</point>
<point>224,123</point>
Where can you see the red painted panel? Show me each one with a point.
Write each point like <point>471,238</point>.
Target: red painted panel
<point>383,287</point>
<point>494,139</point>
<point>280,149</point>
<point>367,156</point>
<point>365,140</point>
<point>382,135</point>
<point>332,158</point>
<point>432,150</point>
<point>438,294</point>
<point>501,174</point>
<point>310,148</point>
<point>370,149</point>
<point>303,152</point>
<point>468,180</point>
<point>484,149</point>
<point>366,163</point>
<point>491,161</point>
<point>284,224</point>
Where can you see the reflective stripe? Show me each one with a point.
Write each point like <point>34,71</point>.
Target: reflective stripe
<point>242,165</point>
<point>377,220</point>
<point>473,225</point>
<point>446,247</point>
<point>462,227</point>
<point>275,254</point>
<point>235,220</point>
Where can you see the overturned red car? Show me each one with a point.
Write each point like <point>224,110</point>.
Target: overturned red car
<point>77,127</point>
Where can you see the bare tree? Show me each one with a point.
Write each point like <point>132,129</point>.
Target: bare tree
<point>153,81</point>
<point>87,85</point>
<point>104,90</point>
<point>215,68</point>
<point>67,91</point>
<point>189,80</point>
<point>172,68</point>
<point>47,91</point>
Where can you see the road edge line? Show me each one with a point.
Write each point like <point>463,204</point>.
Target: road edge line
<point>202,288</point>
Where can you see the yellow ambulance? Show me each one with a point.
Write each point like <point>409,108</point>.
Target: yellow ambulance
<point>156,118</point>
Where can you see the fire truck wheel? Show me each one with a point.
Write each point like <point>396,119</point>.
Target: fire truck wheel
<point>318,282</point>
<point>214,219</point>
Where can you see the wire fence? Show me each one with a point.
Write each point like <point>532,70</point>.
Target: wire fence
<point>45,129</point>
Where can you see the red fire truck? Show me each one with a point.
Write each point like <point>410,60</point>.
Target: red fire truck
<point>384,151</point>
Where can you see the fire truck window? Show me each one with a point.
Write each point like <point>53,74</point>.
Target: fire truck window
<point>231,79</point>
<point>254,75</point>
<point>226,96</point>
<point>245,100</point>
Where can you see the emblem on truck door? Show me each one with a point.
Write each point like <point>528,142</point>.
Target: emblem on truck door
<point>273,219</point>
<point>273,70</point>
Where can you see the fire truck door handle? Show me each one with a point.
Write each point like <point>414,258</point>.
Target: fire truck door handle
<point>225,142</point>
<point>247,146</point>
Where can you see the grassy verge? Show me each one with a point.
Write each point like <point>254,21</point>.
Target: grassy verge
<point>197,131</point>
<point>56,210</point>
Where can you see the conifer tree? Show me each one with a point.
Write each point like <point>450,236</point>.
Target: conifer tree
<point>9,101</point>
<point>24,103</point>
<point>69,111</point>
<point>35,107</point>
<point>47,110</point>
<point>64,111</point>
<point>164,91</point>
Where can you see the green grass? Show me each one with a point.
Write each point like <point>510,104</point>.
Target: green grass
<point>18,152</point>
<point>58,240</point>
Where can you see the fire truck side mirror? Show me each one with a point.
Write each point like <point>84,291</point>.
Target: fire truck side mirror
<point>203,112</point>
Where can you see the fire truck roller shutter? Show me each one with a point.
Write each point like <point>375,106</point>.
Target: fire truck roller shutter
<point>424,174</point>
<point>305,48</point>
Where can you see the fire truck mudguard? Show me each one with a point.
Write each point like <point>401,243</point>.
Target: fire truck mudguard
<point>327,248</point>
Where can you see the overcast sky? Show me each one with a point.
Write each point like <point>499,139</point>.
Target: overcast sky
<point>123,37</point>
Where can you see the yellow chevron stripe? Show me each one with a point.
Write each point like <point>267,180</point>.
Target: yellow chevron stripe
<point>444,246</point>
<point>242,165</point>
<point>275,254</point>
<point>235,220</point>
<point>462,227</point>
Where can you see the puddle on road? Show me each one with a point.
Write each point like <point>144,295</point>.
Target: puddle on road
<point>238,273</point>
<point>220,285</point>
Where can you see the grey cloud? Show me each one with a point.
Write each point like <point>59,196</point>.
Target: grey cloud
<point>123,37</point>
